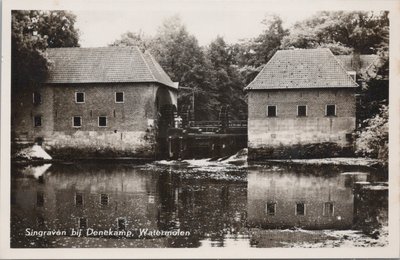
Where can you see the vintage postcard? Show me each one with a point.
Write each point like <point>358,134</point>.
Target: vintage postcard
<point>200,129</point>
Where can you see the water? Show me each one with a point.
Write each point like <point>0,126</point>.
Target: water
<point>197,204</point>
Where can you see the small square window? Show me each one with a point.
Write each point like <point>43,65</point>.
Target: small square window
<point>271,208</point>
<point>37,121</point>
<point>79,199</point>
<point>82,223</point>
<point>121,224</point>
<point>328,209</point>
<point>300,209</point>
<point>77,121</point>
<point>104,199</point>
<point>330,110</point>
<point>119,97</point>
<point>271,111</point>
<point>37,98</point>
<point>301,110</point>
<point>39,199</point>
<point>79,97</point>
<point>102,121</point>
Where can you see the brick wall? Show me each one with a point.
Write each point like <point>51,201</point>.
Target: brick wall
<point>130,125</point>
<point>287,129</point>
<point>24,110</point>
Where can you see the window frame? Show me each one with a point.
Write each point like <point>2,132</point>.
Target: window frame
<point>98,122</point>
<point>101,201</point>
<point>83,200</point>
<point>326,109</point>
<point>304,206</point>
<point>79,222</point>
<point>306,114</point>
<point>125,223</point>
<point>266,208</point>
<point>73,122</point>
<point>123,97</point>
<point>276,110</point>
<point>352,74</point>
<point>324,213</point>
<point>34,95</point>
<point>34,121</point>
<point>76,97</point>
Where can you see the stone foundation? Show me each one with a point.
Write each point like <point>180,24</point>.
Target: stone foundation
<point>308,151</point>
<point>93,144</point>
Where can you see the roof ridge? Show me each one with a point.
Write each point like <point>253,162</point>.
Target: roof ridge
<point>341,66</point>
<point>302,68</point>
<point>147,65</point>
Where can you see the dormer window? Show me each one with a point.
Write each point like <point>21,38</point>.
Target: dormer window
<point>352,74</point>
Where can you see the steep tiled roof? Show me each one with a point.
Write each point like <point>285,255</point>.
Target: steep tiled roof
<point>104,65</point>
<point>349,62</point>
<point>302,68</point>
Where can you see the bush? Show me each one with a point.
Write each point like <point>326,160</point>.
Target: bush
<point>373,140</point>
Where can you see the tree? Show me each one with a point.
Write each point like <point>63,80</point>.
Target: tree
<point>267,43</point>
<point>32,32</point>
<point>259,50</point>
<point>342,32</point>
<point>374,138</point>
<point>134,39</point>
<point>226,79</point>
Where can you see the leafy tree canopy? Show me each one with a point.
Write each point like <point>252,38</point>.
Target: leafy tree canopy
<point>362,32</point>
<point>34,31</point>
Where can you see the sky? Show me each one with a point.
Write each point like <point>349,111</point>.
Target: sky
<point>204,19</point>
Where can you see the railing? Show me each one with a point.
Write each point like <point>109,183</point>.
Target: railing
<point>237,123</point>
<point>216,124</point>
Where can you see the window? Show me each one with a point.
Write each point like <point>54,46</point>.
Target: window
<point>352,74</point>
<point>82,223</point>
<point>300,209</point>
<point>271,111</point>
<point>37,121</point>
<point>77,121</point>
<point>328,209</point>
<point>271,208</point>
<point>151,199</point>
<point>102,121</point>
<point>104,199</point>
<point>37,98</point>
<point>330,110</point>
<point>119,97</point>
<point>121,223</point>
<point>301,110</point>
<point>39,199</point>
<point>79,97</point>
<point>79,199</point>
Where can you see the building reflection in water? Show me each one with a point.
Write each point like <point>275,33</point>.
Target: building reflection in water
<point>217,213</point>
<point>127,197</point>
<point>285,198</point>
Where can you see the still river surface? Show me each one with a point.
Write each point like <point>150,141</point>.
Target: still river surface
<point>197,204</point>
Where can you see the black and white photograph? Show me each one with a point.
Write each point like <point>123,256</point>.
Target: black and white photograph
<point>209,126</point>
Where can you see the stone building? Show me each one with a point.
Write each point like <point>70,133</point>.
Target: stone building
<point>98,101</point>
<point>302,104</point>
